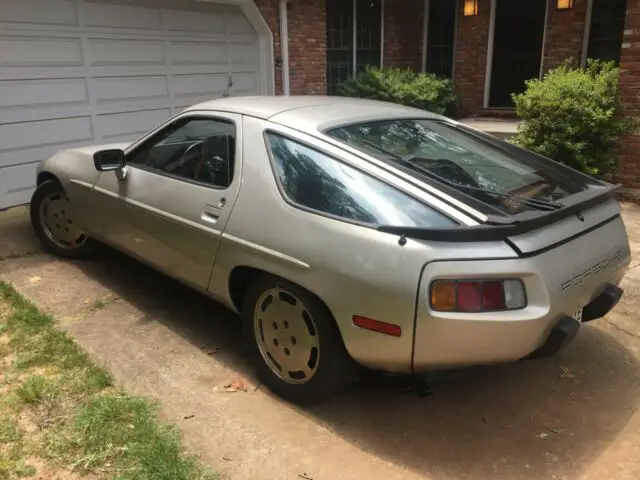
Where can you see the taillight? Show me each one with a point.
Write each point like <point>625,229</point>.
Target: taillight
<point>477,295</point>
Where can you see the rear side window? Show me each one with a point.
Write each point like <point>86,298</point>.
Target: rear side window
<point>316,181</point>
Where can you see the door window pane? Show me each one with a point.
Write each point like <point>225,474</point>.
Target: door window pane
<point>340,33</point>
<point>368,34</point>
<point>607,30</point>
<point>201,150</point>
<point>339,42</point>
<point>441,37</point>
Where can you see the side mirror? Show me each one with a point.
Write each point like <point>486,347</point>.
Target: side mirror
<point>107,160</point>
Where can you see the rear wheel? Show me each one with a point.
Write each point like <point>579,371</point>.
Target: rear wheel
<point>52,219</point>
<point>296,344</point>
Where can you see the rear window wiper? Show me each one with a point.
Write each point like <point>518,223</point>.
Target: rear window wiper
<point>408,160</point>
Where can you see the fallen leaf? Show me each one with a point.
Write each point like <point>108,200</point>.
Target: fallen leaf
<point>188,417</point>
<point>237,384</point>
<point>305,476</point>
<point>35,279</point>
<point>566,372</point>
<point>542,435</point>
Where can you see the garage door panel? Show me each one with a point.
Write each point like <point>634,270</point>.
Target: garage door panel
<point>121,16</point>
<point>42,93</point>
<point>188,100</point>
<point>129,124</point>
<point>113,89</point>
<point>186,21</point>
<point>52,112</point>
<point>42,51</point>
<point>243,53</point>
<point>43,12</point>
<point>197,53</point>
<point>31,155</point>
<point>14,136</point>
<point>244,83</point>
<point>44,73</point>
<point>77,72</point>
<point>16,184</point>
<point>197,85</point>
<point>108,51</point>
<point>238,24</point>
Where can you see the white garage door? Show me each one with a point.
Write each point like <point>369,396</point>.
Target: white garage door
<point>73,72</point>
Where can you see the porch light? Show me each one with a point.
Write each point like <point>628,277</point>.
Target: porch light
<point>471,8</point>
<point>564,4</point>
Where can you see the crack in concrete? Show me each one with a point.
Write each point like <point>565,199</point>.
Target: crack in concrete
<point>621,329</point>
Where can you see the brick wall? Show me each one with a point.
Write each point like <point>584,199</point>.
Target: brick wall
<point>471,57</point>
<point>565,31</point>
<point>403,33</point>
<point>307,44</point>
<point>629,153</point>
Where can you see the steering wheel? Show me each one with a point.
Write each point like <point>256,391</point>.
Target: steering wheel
<point>193,152</point>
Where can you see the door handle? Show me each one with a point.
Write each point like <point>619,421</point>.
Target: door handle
<point>210,214</point>
<point>222,202</point>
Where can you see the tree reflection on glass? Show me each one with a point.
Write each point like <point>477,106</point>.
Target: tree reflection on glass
<point>319,182</point>
<point>307,183</point>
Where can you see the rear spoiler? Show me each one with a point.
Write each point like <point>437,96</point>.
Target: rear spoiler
<point>501,228</point>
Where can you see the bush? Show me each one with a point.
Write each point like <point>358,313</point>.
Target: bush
<point>406,87</point>
<point>573,116</point>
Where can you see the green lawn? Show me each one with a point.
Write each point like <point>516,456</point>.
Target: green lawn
<point>61,415</point>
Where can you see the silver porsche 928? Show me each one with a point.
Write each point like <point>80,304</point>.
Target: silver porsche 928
<point>349,233</point>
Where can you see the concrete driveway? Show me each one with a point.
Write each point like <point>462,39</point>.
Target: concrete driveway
<point>574,416</point>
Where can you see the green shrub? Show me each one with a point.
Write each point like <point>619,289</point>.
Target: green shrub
<point>573,116</point>
<point>406,87</point>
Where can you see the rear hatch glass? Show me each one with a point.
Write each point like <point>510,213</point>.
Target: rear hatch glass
<point>490,175</point>
<point>520,193</point>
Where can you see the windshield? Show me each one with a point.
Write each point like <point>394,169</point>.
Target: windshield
<point>445,152</point>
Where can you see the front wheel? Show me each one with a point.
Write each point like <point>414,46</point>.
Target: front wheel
<point>296,344</point>
<point>54,225</point>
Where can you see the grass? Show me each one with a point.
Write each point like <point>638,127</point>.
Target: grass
<point>60,411</point>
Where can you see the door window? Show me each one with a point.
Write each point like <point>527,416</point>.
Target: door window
<point>201,150</point>
<point>314,180</point>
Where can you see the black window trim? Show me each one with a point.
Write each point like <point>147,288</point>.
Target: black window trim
<point>168,126</point>
<point>270,131</point>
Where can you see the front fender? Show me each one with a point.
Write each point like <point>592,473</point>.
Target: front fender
<point>77,175</point>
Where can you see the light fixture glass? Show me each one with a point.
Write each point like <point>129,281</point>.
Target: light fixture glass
<point>470,8</point>
<point>564,4</point>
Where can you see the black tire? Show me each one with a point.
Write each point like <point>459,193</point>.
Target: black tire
<point>44,190</point>
<point>335,369</point>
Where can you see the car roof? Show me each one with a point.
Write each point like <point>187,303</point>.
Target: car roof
<point>312,112</point>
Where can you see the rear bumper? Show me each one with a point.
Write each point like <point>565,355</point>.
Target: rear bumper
<point>565,329</point>
<point>471,343</point>
<point>545,326</point>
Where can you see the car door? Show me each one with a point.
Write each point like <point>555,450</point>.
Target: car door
<point>170,204</point>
